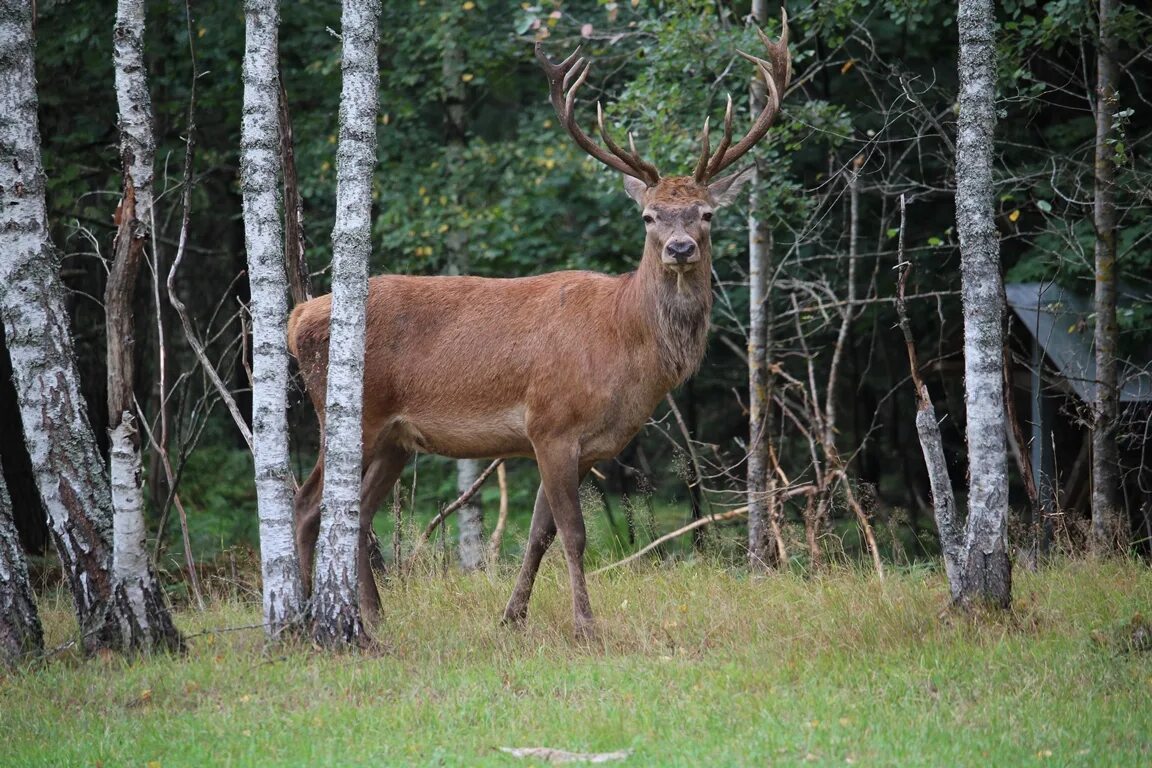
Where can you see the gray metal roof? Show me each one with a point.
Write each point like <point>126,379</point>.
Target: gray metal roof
<point>1059,321</point>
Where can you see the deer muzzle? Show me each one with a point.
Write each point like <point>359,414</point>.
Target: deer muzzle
<point>680,255</point>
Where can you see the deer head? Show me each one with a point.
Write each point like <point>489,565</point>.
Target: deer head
<point>677,210</point>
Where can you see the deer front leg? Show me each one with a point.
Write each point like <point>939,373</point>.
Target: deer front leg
<point>540,537</point>
<point>560,476</point>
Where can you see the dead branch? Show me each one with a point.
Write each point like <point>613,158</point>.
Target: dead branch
<point>173,299</point>
<point>731,514</point>
<point>461,501</point>
<point>161,444</point>
<point>502,517</point>
<point>943,501</point>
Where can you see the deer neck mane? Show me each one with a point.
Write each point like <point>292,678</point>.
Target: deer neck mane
<point>675,310</point>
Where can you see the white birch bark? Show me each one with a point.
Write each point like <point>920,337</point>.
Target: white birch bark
<point>56,430</point>
<point>129,554</point>
<point>986,570</point>
<point>470,547</point>
<point>134,103</point>
<point>144,618</point>
<point>20,631</point>
<point>335,608</point>
<point>1108,525</point>
<point>470,518</point>
<point>259,174</point>
<point>140,609</point>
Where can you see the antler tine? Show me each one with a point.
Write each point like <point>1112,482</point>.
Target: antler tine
<point>570,100</point>
<point>777,73</point>
<point>700,174</point>
<point>713,165</point>
<point>564,80</point>
<point>578,72</point>
<point>632,159</point>
<point>780,45</point>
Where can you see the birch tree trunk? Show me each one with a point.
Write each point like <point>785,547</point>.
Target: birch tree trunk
<point>470,519</point>
<point>1108,530</point>
<point>259,185</point>
<point>764,540</point>
<point>985,575</point>
<point>20,632</point>
<point>335,608</point>
<point>56,429</point>
<point>145,621</point>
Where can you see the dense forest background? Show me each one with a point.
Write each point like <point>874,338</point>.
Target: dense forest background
<point>475,175</point>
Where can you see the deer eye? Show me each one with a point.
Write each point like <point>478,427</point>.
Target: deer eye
<point>706,216</point>
<point>648,219</point>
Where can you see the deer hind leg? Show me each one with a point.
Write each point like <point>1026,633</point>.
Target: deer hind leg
<point>380,474</point>
<point>306,514</point>
<point>540,536</point>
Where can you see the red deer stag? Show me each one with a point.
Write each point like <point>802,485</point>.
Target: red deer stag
<point>563,367</point>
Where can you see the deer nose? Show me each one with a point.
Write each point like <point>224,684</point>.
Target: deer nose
<point>681,250</point>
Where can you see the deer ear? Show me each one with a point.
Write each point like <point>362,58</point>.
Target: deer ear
<point>636,189</point>
<point>724,190</point>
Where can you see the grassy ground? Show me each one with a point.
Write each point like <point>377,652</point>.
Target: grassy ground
<point>697,666</point>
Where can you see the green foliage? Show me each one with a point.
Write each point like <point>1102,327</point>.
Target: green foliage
<point>220,501</point>
<point>697,666</point>
<point>505,193</point>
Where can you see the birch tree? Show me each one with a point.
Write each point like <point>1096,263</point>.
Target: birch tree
<point>762,505</point>
<point>59,438</point>
<point>335,609</point>
<point>470,519</point>
<point>1107,528</point>
<point>259,185</point>
<point>145,621</point>
<point>985,573</point>
<point>20,632</point>
<point>471,548</point>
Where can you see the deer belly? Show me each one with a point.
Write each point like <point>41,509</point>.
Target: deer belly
<point>471,436</point>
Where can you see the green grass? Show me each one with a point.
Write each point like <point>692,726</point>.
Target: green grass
<point>697,666</point>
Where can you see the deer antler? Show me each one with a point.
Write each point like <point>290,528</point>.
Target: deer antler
<point>777,73</point>
<point>564,79</point>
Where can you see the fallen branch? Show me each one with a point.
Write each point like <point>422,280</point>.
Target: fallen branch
<point>549,755</point>
<point>461,501</point>
<point>731,514</point>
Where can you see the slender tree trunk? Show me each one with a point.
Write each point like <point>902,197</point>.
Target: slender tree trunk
<point>928,430</point>
<point>145,621</point>
<point>259,184</point>
<point>765,542</point>
<point>1108,526</point>
<point>295,260</point>
<point>470,520</point>
<point>56,428</point>
<point>335,608</point>
<point>20,632</point>
<point>985,576</point>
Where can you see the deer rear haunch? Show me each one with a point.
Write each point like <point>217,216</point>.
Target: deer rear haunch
<point>564,367</point>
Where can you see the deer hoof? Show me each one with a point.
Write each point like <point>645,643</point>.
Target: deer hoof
<point>586,632</point>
